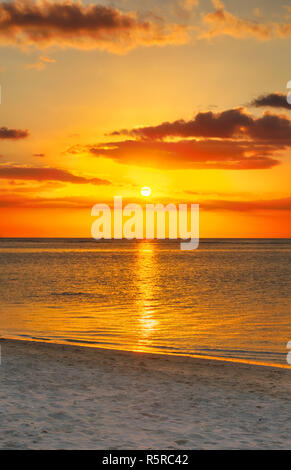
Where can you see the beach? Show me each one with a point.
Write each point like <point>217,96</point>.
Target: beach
<point>56,396</point>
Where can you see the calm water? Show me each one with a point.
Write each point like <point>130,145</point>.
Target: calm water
<point>230,298</point>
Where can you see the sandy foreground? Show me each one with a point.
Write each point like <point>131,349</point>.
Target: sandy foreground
<point>69,397</point>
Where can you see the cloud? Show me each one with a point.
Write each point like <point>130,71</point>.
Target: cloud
<point>222,22</point>
<point>46,174</point>
<point>188,5</point>
<point>39,155</point>
<point>203,154</point>
<point>14,200</point>
<point>271,128</point>
<point>70,24</point>
<point>231,123</point>
<point>14,134</point>
<point>183,10</point>
<point>274,100</point>
<point>205,124</point>
<point>48,60</point>
<point>37,66</point>
<point>283,204</point>
<point>41,63</point>
<point>232,139</point>
<point>30,202</point>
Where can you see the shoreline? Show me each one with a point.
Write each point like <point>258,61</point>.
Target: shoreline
<point>158,353</point>
<point>74,397</point>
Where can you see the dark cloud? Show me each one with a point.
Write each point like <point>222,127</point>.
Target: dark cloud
<point>232,139</point>
<point>203,154</point>
<point>271,128</point>
<point>231,123</point>
<point>205,124</point>
<point>39,155</point>
<point>46,174</point>
<point>13,134</point>
<point>273,100</point>
<point>81,26</point>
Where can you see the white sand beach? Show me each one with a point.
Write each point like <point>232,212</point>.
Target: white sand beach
<point>67,397</point>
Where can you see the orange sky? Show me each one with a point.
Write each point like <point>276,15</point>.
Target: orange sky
<point>188,98</point>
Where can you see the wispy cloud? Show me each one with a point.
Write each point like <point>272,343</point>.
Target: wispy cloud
<point>195,154</point>
<point>46,174</point>
<point>188,4</point>
<point>283,204</point>
<point>41,63</point>
<point>20,199</point>
<point>222,22</point>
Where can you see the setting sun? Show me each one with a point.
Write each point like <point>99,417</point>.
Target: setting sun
<point>145,191</point>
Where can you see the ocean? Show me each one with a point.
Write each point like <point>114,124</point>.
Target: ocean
<point>229,299</point>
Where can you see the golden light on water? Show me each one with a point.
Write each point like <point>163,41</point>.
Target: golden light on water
<point>147,322</point>
<point>143,302</point>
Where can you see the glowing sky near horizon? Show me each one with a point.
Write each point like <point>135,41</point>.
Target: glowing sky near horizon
<point>84,105</point>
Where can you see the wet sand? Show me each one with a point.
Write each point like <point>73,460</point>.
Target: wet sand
<point>68,397</point>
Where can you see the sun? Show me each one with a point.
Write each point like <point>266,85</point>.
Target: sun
<point>145,191</point>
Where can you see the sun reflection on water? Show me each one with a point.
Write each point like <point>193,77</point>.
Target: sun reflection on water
<point>145,278</point>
